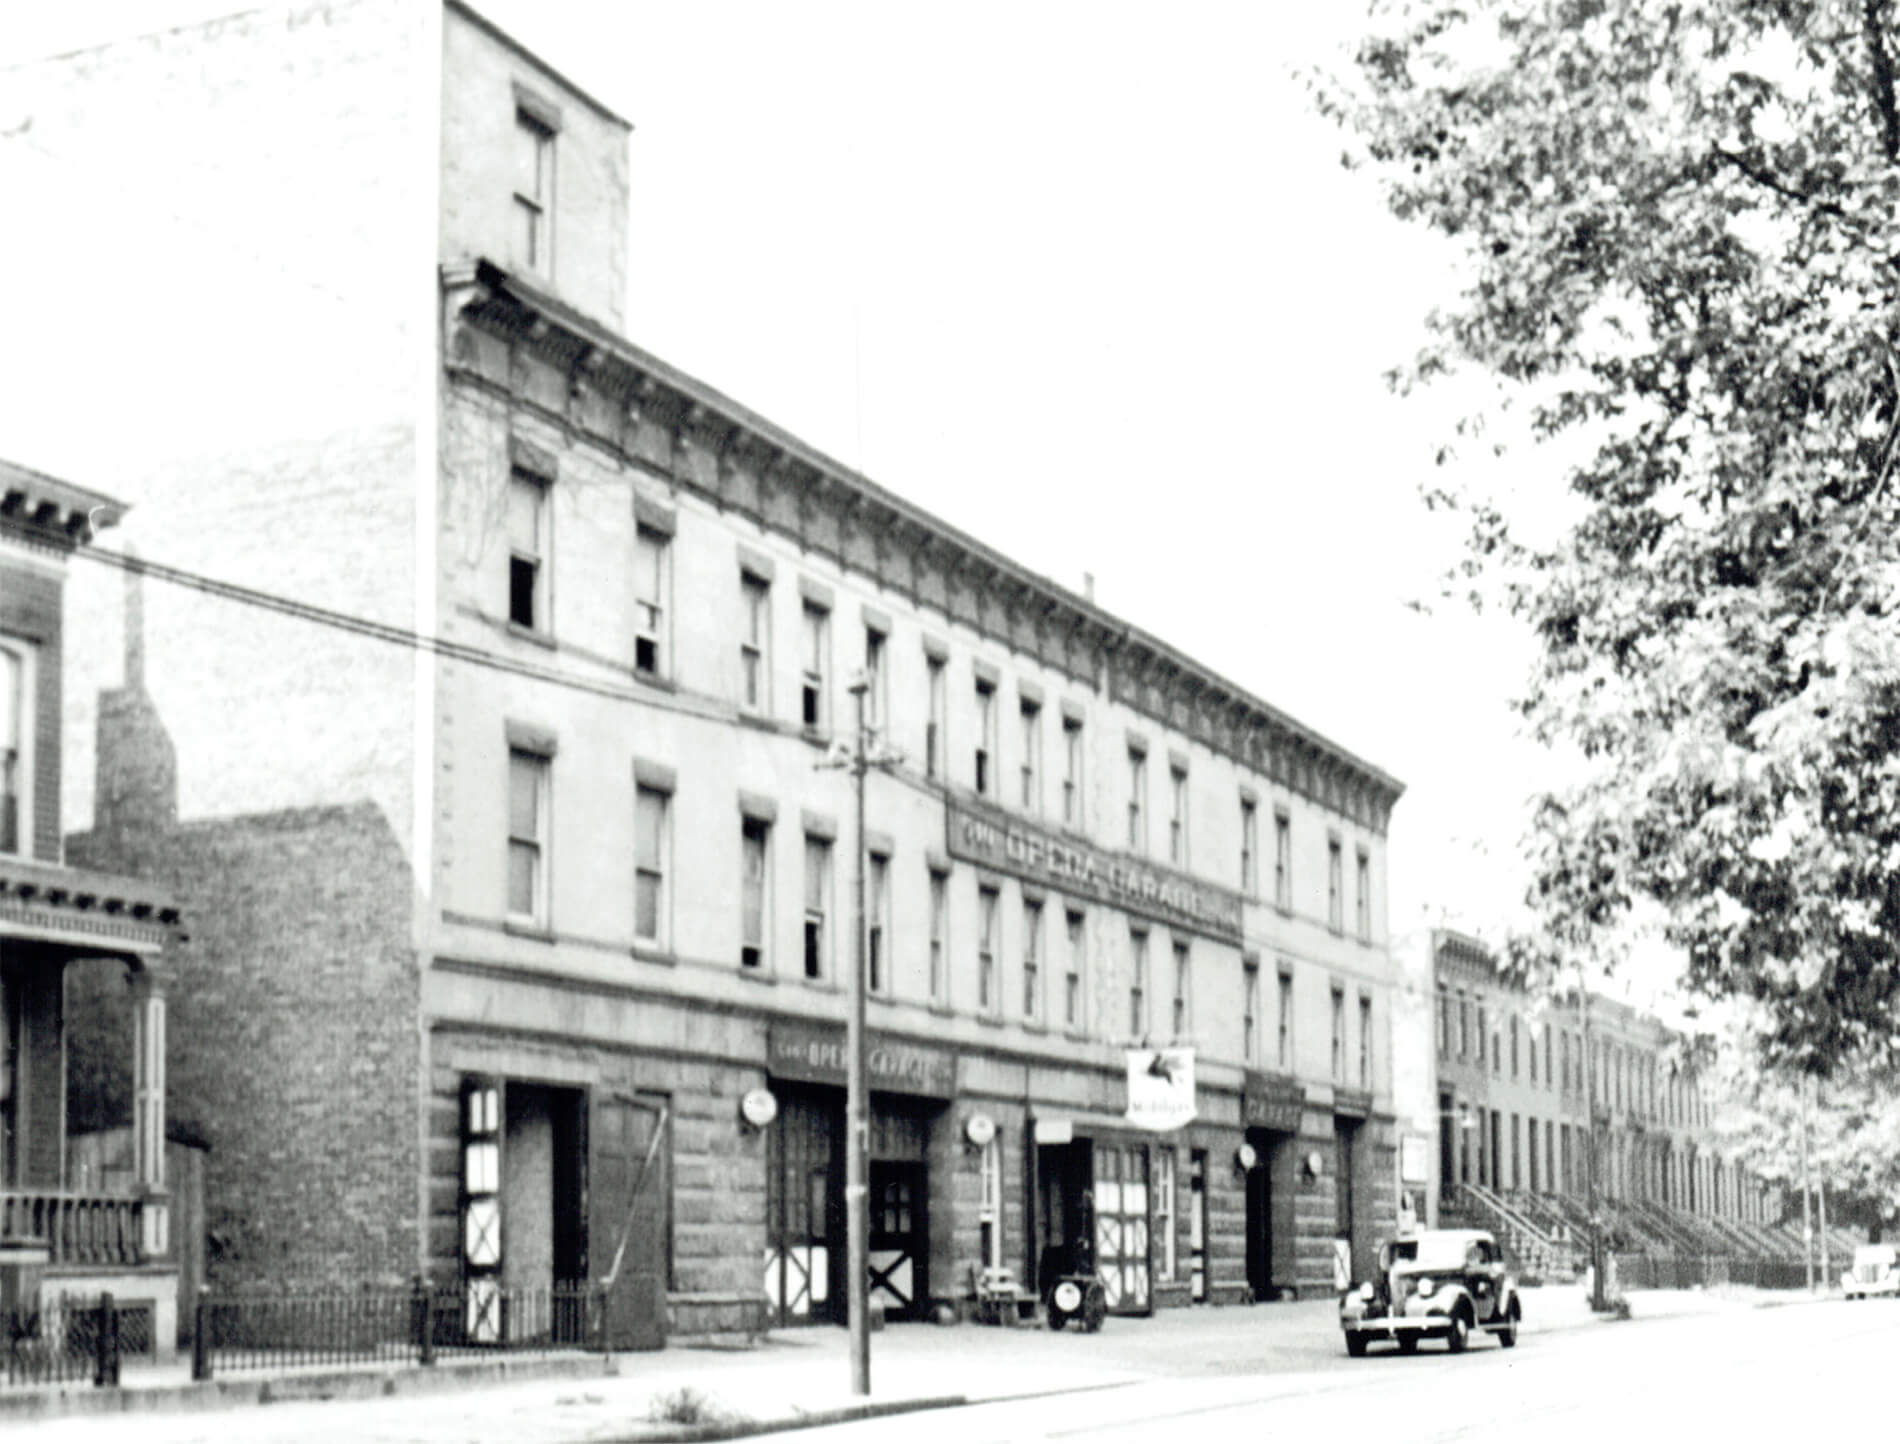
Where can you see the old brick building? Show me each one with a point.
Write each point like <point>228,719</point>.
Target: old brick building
<point>497,753</point>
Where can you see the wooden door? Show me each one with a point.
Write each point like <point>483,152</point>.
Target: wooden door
<point>627,1217</point>
<point>900,1239</point>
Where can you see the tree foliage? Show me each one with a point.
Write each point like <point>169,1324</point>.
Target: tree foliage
<point>1682,222</point>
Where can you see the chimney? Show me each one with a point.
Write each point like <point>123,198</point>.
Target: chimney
<point>1088,585</point>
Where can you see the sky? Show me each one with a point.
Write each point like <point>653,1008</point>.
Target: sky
<point>1089,282</point>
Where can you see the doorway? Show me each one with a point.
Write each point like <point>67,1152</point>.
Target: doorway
<point>900,1239</point>
<point>1197,1224</point>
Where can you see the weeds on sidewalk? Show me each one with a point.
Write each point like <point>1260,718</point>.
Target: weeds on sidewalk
<point>685,1405</point>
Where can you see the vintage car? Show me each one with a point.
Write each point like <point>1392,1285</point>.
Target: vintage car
<point>1435,1284</point>
<point>1876,1270</point>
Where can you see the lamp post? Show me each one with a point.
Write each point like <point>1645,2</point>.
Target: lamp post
<point>858,759</point>
<point>1598,1254</point>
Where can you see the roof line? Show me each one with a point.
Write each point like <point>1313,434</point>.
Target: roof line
<point>481,21</point>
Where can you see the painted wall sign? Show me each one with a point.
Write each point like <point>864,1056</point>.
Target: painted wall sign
<point>1160,1088</point>
<point>1415,1153</point>
<point>1011,845</point>
<point>815,1053</point>
<point>1272,1103</point>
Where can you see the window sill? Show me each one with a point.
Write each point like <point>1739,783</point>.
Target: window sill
<point>654,953</point>
<point>821,985</point>
<point>1035,1025</point>
<point>536,932</point>
<point>758,975</point>
<point>659,681</point>
<point>752,717</point>
<point>991,1020</point>
<point>941,1009</point>
<point>538,635</point>
<point>1075,1035</point>
<point>817,736</point>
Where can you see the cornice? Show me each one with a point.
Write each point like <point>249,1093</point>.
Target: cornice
<point>40,509</point>
<point>757,468</point>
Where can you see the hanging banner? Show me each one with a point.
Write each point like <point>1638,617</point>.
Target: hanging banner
<point>1160,1088</point>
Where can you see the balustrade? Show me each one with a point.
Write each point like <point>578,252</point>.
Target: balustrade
<point>71,1228</point>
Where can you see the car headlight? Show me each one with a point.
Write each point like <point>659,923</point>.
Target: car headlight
<point>1366,1292</point>
<point>1425,1287</point>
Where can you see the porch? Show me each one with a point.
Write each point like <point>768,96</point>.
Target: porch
<point>67,1240</point>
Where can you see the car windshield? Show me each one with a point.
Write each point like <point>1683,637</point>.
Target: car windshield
<point>1432,1251</point>
<point>1874,1253</point>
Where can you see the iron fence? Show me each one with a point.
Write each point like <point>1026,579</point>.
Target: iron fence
<point>67,1342</point>
<point>1678,1271</point>
<point>415,1325</point>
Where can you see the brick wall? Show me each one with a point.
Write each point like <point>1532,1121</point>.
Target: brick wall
<point>293,1040</point>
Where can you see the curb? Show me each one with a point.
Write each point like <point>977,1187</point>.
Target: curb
<point>84,1400</point>
<point>779,1424</point>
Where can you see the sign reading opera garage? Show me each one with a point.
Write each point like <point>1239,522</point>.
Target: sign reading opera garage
<point>1070,865</point>
<point>816,1053</point>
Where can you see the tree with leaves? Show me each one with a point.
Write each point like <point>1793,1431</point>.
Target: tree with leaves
<point>1682,224</point>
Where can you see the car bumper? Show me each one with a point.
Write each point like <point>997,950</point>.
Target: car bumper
<point>1429,1326</point>
<point>1858,1290</point>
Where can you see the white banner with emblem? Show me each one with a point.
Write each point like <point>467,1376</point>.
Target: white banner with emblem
<point>1160,1088</point>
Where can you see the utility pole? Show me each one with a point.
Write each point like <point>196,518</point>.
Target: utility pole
<point>1599,1300</point>
<point>859,759</point>
<point>1820,1198</point>
<point>1807,1218</point>
<point>857,1185</point>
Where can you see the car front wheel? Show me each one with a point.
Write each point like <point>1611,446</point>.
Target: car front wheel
<point>1356,1345</point>
<point>1460,1333</point>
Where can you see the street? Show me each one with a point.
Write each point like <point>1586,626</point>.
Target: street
<point>1787,1373</point>
<point>1688,1365</point>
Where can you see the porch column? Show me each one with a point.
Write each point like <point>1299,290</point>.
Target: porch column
<point>148,1111</point>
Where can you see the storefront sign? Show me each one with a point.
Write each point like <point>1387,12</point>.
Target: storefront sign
<point>1009,844</point>
<point>759,1107</point>
<point>1272,1103</point>
<point>979,1128</point>
<point>816,1053</point>
<point>1160,1088</point>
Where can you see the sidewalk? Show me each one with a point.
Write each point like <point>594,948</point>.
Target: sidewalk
<point>794,1377</point>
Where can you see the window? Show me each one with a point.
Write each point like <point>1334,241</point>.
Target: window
<point>1365,1041</point>
<point>816,652</point>
<point>1250,1012</point>
<point>939,935</point>
<point>985,735</point>
<point>755,647</point>
<point>527,551</point>
<point>1530,1045</point>
<point>1514,1045</point>
<point>1137,984</point>
<point>817,894</point>
<point>754,841</point>
<point>986,994</point>
<point>527,835</point>
<point>1177,816</point>
<point>649,864</point>
<point>1249,848</point>
<point>1137,791</point>
<point>1164,1211</point>
<point>1464,1025</point>
<point>876,704</point>
<point>877,925</point>
<point>1444,1021</point>
<point>933,729</point>
<point>1362,904</point>
<point>16,752</point>
<point>1339,1035</point>
<point>1283,862</point>
<point>1497,1053</point>
<point>989,1211</point>
<point>1032,961</point>
<point>649,602</point>
<point>1183,1014</point>
<point>1072,772</point>
<point>534,192</point>
<point>1072,978</point>
<point>1032,756</point>
<point>1283,1024</point>
<point>1335,885</point>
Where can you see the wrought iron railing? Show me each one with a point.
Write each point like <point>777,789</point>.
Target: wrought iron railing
<point>414,1325</point>
<point>67,1342</point>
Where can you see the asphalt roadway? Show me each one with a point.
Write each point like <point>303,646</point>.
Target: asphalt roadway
<point>1821,1372</point>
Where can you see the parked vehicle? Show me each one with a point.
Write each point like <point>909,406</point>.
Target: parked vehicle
<point>1436,1284</point>
<point>1876,1270</point>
